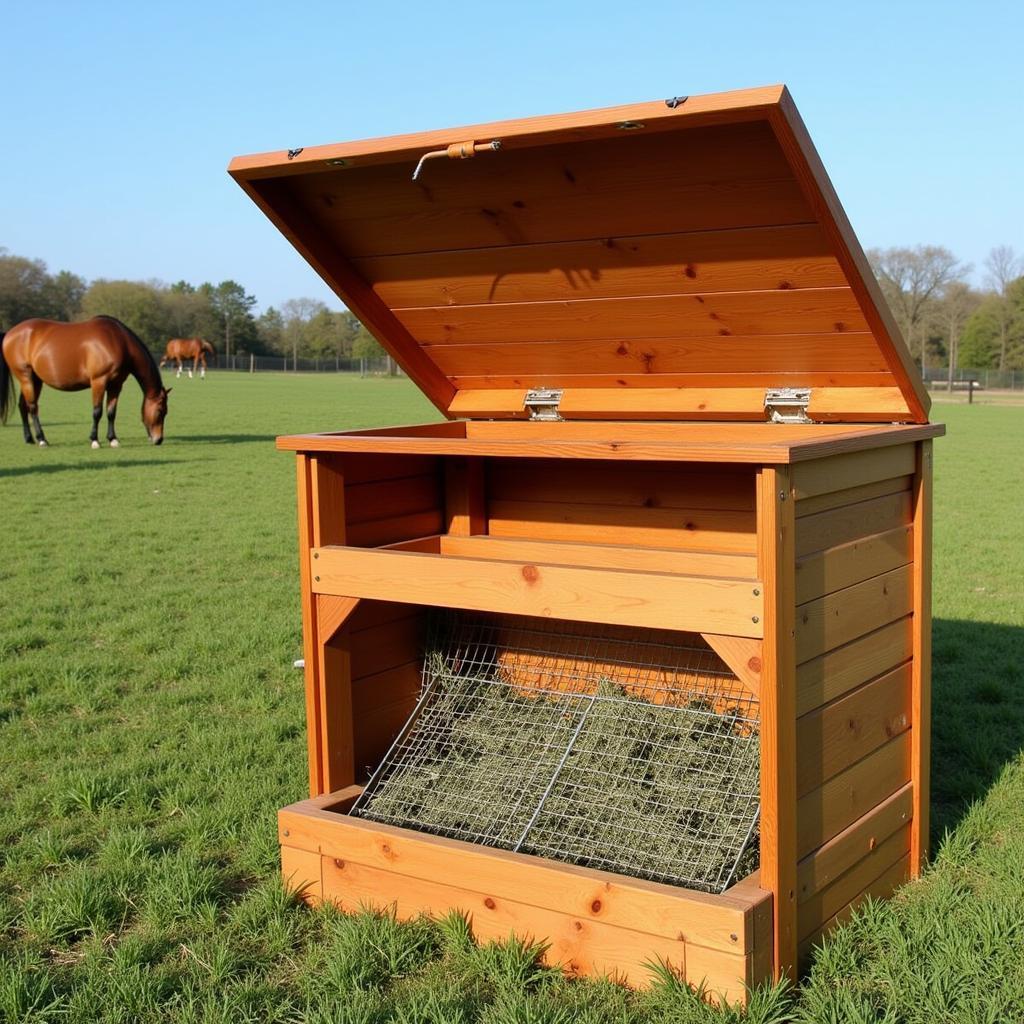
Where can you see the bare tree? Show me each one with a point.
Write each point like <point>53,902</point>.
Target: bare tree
<point>957,304</point>
<point>1004,266</point>
<point>912,279</point>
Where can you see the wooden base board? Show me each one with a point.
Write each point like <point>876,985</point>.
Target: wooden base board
<point>593,922</point>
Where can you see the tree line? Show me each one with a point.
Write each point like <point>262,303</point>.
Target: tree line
<point>946,321</point>
<point>224,314</point>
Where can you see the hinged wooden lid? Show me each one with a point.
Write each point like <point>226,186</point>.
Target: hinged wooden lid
<point>655,261</point>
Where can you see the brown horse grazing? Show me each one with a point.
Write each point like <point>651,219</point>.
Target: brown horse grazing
<point>97,354</point>
<point>180,350</point>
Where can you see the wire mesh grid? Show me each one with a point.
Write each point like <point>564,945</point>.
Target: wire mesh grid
<point>632,751</point>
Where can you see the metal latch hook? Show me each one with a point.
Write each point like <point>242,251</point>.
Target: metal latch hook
<point>457,151</point>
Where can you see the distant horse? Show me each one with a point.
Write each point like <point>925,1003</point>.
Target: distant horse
<point>97,354</point>
<point>180,350</point>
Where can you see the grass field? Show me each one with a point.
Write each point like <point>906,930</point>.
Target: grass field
<point>151,724</point>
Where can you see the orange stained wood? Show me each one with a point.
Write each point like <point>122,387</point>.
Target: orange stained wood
<point>628,247</point>
<point>921,684</point>
<point>775,556</point>
<point>616,596</point>
<point>624,441</point>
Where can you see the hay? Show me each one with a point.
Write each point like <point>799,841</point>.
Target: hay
<point>590,774</point>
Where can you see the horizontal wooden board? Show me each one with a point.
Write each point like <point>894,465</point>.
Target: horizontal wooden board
<point>713,261</point>
<point>823,476</point>
<point>880,888</point>
<point>378,728</point>
<point>635,184</point>
<point>607,556</point>
<point>622,441</point>
<point>808,311</point>
<point>651,486</point>
<point>821,906</point>
<point>824,572</point>
<point>834,673</point>
<point>826,404</point>
<point>839,525</point>
<point>852,495</point>
<point>831,738</point>
<point>581,946</point>
<point>386,499</point>
<point>371,614</point>
<point>376,532</point>
<point>386,646</point>
<point>696,529</point>
<point>822,867</point>
<point>825,812</point>
<point>301,871</point>
<point>390,686</point>
<point>632,355</point>
<point>363,469</point>
<point>636,378</point>
<point>836,619</point>
<point>717,922</point>
<point>693,604</point>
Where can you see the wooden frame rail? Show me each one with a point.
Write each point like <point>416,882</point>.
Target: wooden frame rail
<point>695,604</point>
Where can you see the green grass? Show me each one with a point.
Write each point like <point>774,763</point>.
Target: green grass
<point>151,724</point>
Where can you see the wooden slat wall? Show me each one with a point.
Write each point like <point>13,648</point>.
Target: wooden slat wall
<point>391,498</point>
<point>654,506</point>
<point>654,259</point>
<point>386,644</point>
<point>854,639</point>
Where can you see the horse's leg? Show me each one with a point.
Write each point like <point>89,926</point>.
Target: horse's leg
<point>23,409</point>
<point>202,365</point>
<point>113,393</point>
<point>98,387</point>
<point>31,393</point>
<point>192,368</point>
<point>178,374</point>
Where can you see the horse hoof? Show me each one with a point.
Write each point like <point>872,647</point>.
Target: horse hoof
<point>43,444</point>
<point>95,444</point>
<point>114,443</point>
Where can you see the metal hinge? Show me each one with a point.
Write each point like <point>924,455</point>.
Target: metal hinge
<point>542,403</point>
<point>787,405</point>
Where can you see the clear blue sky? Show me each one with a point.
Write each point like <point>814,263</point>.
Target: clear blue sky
<point>119,119</point>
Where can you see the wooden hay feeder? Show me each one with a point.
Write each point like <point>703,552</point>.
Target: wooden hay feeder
<point>679,416</point>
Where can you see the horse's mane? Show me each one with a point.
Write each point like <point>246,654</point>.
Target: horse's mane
<point>143,347</point>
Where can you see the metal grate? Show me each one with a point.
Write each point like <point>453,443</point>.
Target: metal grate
<point>632,751</point>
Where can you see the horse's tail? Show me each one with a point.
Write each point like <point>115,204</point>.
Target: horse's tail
<point>6,385</point>
<point>207,347</point>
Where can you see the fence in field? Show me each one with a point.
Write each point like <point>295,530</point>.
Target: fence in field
<point>986,380</point>
<point>245,362</point>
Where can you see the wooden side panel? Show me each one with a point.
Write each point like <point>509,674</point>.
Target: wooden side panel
<point>922,674</point>
<point>776,564</point>
<point>595,922</point>
<point>394,503</point>
<point>386,643</point>
<point>861,726</point>
<point>301,871</point>
<point>657,505</point>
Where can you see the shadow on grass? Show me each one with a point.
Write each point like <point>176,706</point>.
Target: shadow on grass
<point>977,712</point>
<point>227,438</point>
<point>69,467</point>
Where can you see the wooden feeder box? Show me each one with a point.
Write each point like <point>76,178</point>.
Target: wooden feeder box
<point>676,401</point>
